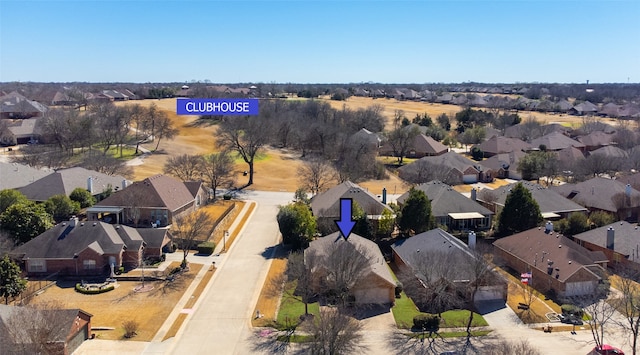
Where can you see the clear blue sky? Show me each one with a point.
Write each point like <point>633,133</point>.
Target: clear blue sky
<point>320,41</point>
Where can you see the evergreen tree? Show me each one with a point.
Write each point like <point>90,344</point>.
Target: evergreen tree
<point>416,214</point>
<point>296,224</point>
<point>520,212</point>
<point>11,283</point>
<point>25,221</point>
<point>83,197</point>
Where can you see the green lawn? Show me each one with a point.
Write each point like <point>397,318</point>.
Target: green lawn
<point>291,309</point>
<point>403,311</point>
<point>459,318</point>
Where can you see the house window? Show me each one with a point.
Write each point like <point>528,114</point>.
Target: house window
<point>198,200</point>
<point>89,264</point>
<point>37,265</point>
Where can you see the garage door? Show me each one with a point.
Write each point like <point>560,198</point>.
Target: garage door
<point>469,179</point>
<point>77,340</point>
<point>490,293</point>
<point>372,295</point>
<point>579,288</point>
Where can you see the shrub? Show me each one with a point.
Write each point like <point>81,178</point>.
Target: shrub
<point>477,154</point>
<point>163,257</point>
<point>398,289</point>
<point>226,197</point>
<point>571,309</point>
<point>206,248</point>
<point>428,322</point>
<point>130,328</point>
<point>85,291</point>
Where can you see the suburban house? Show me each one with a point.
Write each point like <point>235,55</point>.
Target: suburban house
<point>552,204</point>
<point>556,141</point>
<point>20,132</point>
<point>556,263</point>
<point>409,251</point>
<point>326,206</point>
<point>14,175</point>
<point>62,98</point>
<point>372,140</point>
<point>596,139</point>
<point>64,181</point>
<point>421,146</point>
<point>16,106</point>
<point>525,133</point>
<point>602,194</point>
<point>156,200</point>
<point>452,209</point>
<point>88,248</point>
<point>504,166</point>
<point>570,156</point>
<point>73,327</point>
<point>584,108</point>
<point>376,285</point>
<point>619,241</point>
<point>459,168</point>
<point>500,145</point>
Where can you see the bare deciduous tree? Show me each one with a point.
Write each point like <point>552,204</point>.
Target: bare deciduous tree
<point>185,167</point>
<point>401,141</point>
<point>316,175</point>
<point>163,128</point>
<point>335,332</point>
<point>189,228</point>
<point>218,169</point>
<point>246,135</point>
<point>629,305</point>
<point>600,311</point>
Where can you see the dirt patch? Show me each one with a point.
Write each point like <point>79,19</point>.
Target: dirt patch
<point>111,309</point>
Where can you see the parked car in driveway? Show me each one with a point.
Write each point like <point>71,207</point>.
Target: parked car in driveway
<point>606,349</point>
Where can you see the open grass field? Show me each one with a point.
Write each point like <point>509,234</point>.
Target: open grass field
<point>111,309</point>
<point>411,108</point>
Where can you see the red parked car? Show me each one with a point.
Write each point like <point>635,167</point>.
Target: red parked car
<point>606,350</point>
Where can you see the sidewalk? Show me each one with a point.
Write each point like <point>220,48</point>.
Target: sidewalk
<point>218,259</point>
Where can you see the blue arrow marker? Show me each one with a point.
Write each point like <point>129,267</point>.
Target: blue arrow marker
<point>346,222</point>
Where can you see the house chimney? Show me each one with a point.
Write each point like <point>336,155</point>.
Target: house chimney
<point>548,227</point>
<point>472,240</point>
<point>384,195</point>
<point>627,190</point>
<point>611,233</point>
<point>474,194</point>
<point>124,184</point>
<point>73,221</point>
<point>90,184</point>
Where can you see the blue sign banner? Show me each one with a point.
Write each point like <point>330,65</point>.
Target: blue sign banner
<point>217,106</point>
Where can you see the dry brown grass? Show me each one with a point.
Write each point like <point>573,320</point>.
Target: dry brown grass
<point>268,301</point>
<point>111,309</point>
<point>411,108</point>
<point>242,222</point>
<point>219,232</point>
<point>190,303</point>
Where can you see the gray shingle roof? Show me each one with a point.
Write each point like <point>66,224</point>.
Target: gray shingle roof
<point>64,181</point>
<point>432,240</point>
<point>444,200</point>
<point>451,160</point>
<point>14,175</point>
<point>327,204</point>
<point>626,238</point>
<point>599,193</point>
<point>506,161</point>
<point>549,200</point>
<point>64,241</point>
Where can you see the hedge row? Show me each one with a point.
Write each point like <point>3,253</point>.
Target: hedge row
<point>206,248</point>
<point>81,289</point>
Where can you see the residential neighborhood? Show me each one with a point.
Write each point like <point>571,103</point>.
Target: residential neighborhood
<point>319,177</point>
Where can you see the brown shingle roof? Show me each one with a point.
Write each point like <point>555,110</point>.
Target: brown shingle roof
<point>599,193</point>
<point>327,204</point>
<point>499,144</point>
<point>158,191</point>
<point>535,247</point>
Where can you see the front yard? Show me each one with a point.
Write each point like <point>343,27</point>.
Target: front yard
<point>111,309</point>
